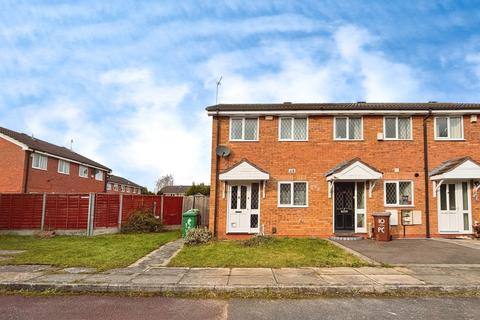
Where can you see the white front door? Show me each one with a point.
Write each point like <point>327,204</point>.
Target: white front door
<point>454,208</point>
<point>243,208</point>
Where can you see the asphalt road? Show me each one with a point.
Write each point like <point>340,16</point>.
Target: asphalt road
<point>119,308</point>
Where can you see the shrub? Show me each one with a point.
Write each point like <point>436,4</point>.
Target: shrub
<point>476,230</point>
<point>198,236</point>
<point>257,241</point>
<point>142,221</point>
<point>198,188</point>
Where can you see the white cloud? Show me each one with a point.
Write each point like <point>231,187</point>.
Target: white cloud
<point>158,137</point>
<point>352,69</point>
<point>473,60</point>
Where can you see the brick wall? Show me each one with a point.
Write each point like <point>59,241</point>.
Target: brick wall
<point>12,168</point>
<point>51,181</point>
<point>313,158</point>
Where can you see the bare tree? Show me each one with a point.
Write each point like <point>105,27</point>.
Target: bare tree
<point>166,180</point>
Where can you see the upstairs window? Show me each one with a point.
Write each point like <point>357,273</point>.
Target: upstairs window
<point>397,128</point>
<point>293,129</point>
<point>292,194</point>
<point>98,175</point>
<point>109,186</point>
<point>398,193</point>
<point>123,188</point>
<point>63,167</point>
<point>39,161</point>
<point>449,128</point>
<point>244,129</point>
<point>83,171</point>
<point>115,187</point>
<point>348,128</point>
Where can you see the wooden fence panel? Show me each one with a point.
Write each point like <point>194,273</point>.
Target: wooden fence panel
<point>199,202</point>
<point>172,210</point>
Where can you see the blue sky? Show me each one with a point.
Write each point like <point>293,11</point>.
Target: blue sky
<point>128,81</point>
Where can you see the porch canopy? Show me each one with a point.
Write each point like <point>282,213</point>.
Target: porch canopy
<point>353,170</point>
<point>244,171</point>
<point>456,169</point>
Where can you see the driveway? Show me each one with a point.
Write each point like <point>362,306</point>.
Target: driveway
<point>414,251</point>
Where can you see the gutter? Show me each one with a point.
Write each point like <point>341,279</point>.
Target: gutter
<point>425,173</point>
<point>217,161</point>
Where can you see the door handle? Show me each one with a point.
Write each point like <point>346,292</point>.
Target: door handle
<point>238,211</point>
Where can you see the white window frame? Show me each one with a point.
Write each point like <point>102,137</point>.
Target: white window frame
<point>62,164</point>
<point>292,119</point>
<point>97,171</point>
<point>109,186</point>
<point>122,188</point>
<point>40,156</point>
<point>80,171</point>
<point>448,128</point>
<point>347,128</point>
<point>396,128</point>
<point>115,187</point>
<point>397,182</point>
<point>243,129</point>
<point>291,205</point>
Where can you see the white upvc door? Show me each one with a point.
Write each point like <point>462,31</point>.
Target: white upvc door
<point>243,214</point>
<point>454,214</point>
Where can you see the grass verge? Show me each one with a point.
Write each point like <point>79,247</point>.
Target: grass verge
<point>100,252</point>
<point>275,253</point>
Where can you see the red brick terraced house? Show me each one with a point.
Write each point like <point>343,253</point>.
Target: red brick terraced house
<point>31,165</point>
<point>116,184</point>
<point>323,169</point>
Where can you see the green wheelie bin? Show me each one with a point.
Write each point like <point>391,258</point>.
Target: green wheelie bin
<point>189,220</point>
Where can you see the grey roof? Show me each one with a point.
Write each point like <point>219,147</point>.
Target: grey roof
<point>399,106</point>
<point>175,189</point>
<point>47,147</point>
<point>449,165</point>
<point>347,163</point>
<point>120,180</point>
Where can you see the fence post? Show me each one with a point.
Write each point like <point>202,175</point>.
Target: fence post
<point>44,211</point>
<point>161,208</point>
<point>91,213</point>
<point>155,208</point>
<point>120,209</point>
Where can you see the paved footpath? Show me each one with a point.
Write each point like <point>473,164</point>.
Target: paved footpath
<point>299,280</point>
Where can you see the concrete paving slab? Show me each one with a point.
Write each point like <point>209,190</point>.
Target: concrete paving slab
<point>292,276</point>
<point>196,279</point>
<point>209,272</point>
<point>25,268</point>
<point>430,271</point>
<point>79,270</point>
<point>18,276</point>
<point>251,272</point>
<point>372,270</point>
<point>124,271</point>
<point>443,280</point>
<point>166,271</point>
<point>156,280</point>
<point>395,279</point>
<point>348,279</point>
<point>108,278</point>
<point>252,280</point>
<point>339,270</point>
<point>60,278</point>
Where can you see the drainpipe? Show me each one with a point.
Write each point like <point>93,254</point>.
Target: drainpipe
<point>26,171</point>
<point>425,172</point>
<point>217,160</point>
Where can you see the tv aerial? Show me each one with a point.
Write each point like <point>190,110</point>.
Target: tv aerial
<point>223,151</point>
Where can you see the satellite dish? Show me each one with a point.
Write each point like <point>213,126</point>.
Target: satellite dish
<point>223,151</point>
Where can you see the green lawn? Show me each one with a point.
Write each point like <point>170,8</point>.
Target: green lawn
<point>276,253</point>
<point>101,252</point>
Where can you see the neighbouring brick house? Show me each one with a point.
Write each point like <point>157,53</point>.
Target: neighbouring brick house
<point>33,165</point>
<point>116,184</point>
<point>322,169</point>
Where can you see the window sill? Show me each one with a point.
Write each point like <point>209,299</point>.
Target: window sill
<point>399,206</point>
<point>285,140</point>
<point>349,140</point>
<point>40,169</point>
<point>67,174</point>
<point>446,139</point>
<point>287,206</point>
